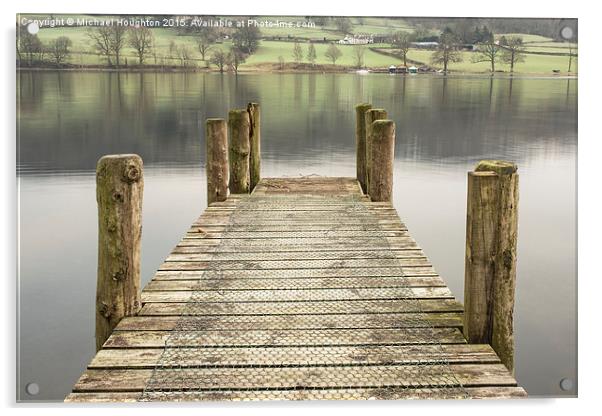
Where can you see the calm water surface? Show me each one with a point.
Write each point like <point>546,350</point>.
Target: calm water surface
<point>444,126</point>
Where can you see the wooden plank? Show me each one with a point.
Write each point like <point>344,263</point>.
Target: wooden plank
<point>294,264</point>
<point>309,321</point>
<point>284,337</point>
<point>296,308</point>
<point>296,234</point>
<point>311,377</point>
<point>292,356</point>
<point>287,244</point>
<point>409,273</point>
<point>292,283</point>
<point>295,295</point>
<point>295,255</point>
<point>495,392</point>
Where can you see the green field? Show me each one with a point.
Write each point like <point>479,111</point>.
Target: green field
<point>270,51</point>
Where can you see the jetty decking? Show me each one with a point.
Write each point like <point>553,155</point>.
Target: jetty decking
<point>302,289</point>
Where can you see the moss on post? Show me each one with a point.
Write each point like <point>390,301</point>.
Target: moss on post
<point>255,144</point>
<point>360,144</point>
<point>119,188</point>
<point>371,116</point>
<point>490,274</point>
<point>239,150</point>
<point>382,139</point>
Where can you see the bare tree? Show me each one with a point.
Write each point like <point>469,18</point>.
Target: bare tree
<point>219,59</point>
<point>108,41</point>
<point>59,49</point>
<point>118,40</point>
<point>311,53</point>
<point>281,62</point>
<point>297,52</point>
<point>333,53</point>
<point>204,41</point>
<point>570,56</point>
<point>447,51</point>
<point>141,39</point>
<point>403,42</point>
<point>235,58</point>
<point>184,55</point>
<point>101,41</point>
<point>488,51</point>
<point>513,51</point>
<point>28,45</point>
<point>358,55</point>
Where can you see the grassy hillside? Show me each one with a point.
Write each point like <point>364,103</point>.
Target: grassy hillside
<point>270,50</point>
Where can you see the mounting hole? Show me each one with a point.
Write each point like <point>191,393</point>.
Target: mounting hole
<point>33,389</point>
<point>566,384</point>
<point>33,28</point>
<point>566,33</point>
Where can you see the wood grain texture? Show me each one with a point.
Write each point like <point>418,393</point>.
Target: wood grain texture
<point>119,188</point>
<point>216,163</point>
<point>255,144</point>
<point>239,149</point>
<point>360,143</point>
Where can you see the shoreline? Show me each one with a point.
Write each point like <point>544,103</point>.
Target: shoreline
<point>260,69</point>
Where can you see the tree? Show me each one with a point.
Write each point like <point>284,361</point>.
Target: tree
<point>403,42</point>
<point>59,49</point>
<point>204,41</point>
<point>141,39</point>
<point>333,53</point>
<point>343,24</point>
<point>184,55</point>
<point>570,56</point>
<point>489,52</point>
<point>246,39</point>
<point>447,51</point>
<point>28,45</point>
<point>235,58</point>
<point>108,41</point>
<point>219,59</point>
<point>281,62</point>
<point>297,52</point>
<point>358,55</point>
<point>311,53</point>
<point>513,51</point>
<point>101,41</point>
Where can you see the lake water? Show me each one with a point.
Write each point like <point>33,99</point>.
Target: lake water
<point>67,120</point>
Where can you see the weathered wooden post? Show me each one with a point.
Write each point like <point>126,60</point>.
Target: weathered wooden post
<point>255,144</point>
<point>490,270</point>
<point>216,165</point>
<point>371,116</point>
<point>119,187</point>
<point>239,150</point>
<point>382,142</point>
<point>360,144</point>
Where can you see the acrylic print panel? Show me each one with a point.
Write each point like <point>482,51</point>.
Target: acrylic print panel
<point>384,219</point>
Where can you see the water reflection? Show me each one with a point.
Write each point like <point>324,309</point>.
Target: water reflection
<point>444,125</point>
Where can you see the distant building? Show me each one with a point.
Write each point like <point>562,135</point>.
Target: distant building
<point>359,39</point>
<point>425,45</point>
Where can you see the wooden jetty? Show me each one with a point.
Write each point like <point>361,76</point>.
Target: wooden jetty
<point>300,288</point>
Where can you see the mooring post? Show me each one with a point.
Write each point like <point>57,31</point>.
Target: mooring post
<point>255,144</point>
<point>119,187</point>
<point>490,268</point>
<point>371,116</point>
<point>360,144</point>
<point>239,150</point>
<point>382,143</point>
<point>216,165</point>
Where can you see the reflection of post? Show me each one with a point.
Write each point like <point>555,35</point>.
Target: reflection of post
<point>216,163</point>
<point>490,269</point>
<point>382,138</point>
<point>119,186</point>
